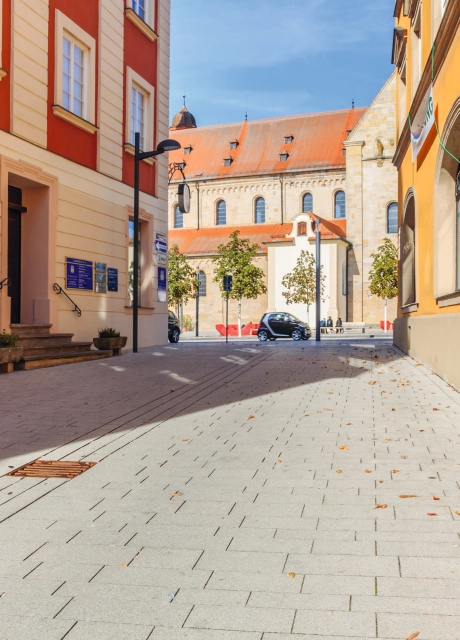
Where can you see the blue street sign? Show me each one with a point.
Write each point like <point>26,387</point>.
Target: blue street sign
<point>160,243</point>
<point>162,278</point>
<point>79,274</point>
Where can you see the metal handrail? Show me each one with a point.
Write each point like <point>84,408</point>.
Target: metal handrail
<point>6,281</point>
<point>58,290</point>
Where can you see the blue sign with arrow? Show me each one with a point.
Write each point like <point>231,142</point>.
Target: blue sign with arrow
<point>160,243</point>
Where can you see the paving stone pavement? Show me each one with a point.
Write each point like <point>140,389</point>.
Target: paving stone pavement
<point>247,492</point>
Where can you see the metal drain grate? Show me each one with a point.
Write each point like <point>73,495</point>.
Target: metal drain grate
<point>52,469</point>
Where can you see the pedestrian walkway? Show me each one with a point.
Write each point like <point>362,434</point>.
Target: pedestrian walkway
<point>282,491</point>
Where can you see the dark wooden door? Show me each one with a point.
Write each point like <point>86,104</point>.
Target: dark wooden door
<point>14,264</point>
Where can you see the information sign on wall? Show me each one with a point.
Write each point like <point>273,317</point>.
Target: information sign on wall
<point>112,279</point>
<point>162,284</point>
<point>79,274</point>
<point>100,285</point>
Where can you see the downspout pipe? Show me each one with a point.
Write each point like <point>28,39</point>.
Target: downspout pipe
<point>197,204</point>
<point>282,198</point>
<point>349,248</point>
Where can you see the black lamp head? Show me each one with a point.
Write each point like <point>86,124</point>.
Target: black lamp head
<point>168,145</point>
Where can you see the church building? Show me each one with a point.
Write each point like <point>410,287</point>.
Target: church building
<point>271,179</point>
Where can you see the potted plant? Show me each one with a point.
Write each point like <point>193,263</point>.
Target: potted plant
<point>9,352</point>
<point>110,340</point>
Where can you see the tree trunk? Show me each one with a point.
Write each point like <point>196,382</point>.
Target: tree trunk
<point>239,318</point>
<point>181,320</point>
<point>385,317</point>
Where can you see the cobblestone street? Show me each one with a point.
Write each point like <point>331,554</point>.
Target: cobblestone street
<point>249,492</point>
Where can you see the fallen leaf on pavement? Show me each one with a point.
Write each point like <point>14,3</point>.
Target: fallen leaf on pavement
<point>250,417</point>
<point>421,430</point>
<point>368,471</point>
<point>431,514</point>
<point>381,506</point>
<point>434,408</point>
<point>436,498</point>
<point>372,382</point>
<point>343,447</point>
<point>413,635</point>
<point>395,470</point>
<point>184,440</point>
<point>307,414</point>
<point>404,457</point>
<point>280,461</point>
<point>175,495</point>
<point>292,575</point>
<point>458,513</point>
<point>393,409</point>
<point>408,495</point>
<point>124,565</point>
<point>340,471</point>
<point>86,403</point>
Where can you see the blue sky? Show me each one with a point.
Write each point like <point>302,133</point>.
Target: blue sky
<point>282,56</point>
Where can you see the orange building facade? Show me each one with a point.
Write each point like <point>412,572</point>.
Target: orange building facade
<point>426,52</point>
<point>77,79</point>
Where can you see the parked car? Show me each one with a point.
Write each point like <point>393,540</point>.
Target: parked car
<point>173,327</point>
<point>282,325</point>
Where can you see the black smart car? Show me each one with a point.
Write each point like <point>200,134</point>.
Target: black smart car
<point>173,327</point>
<point>282,325</point>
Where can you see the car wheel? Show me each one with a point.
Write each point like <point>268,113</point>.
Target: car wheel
<point>263,335</point>
<point>174,337</point>
<point>297,335</point>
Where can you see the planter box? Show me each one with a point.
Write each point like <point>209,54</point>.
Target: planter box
<point>9,355</point>
<point>110,344</point>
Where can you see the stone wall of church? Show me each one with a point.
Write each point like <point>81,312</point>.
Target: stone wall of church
<point>371,186</point>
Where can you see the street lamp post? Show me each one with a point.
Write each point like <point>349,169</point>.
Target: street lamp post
<point>197,299</point>
<point>318,280</point>
<point>163,147</point>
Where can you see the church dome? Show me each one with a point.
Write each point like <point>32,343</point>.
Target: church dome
<point>183,120</point>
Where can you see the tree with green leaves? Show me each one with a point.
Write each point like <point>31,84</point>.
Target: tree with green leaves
<point>300,283</point>
<point>236,259</point>
<point>383,276</point>
<point>182,282</point>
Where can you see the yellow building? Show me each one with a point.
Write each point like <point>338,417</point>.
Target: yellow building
<point>426,51</point>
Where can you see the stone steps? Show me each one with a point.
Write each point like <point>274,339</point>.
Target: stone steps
<point>43,361</point>
<point>43,349</point>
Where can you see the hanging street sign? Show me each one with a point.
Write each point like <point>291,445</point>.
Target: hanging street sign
<point>183,193</point>
<point>423,122</point>
<point>160,243</point>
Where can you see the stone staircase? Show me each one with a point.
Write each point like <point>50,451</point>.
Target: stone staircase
<point>44,349</point>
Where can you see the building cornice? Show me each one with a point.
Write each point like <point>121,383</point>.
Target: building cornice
<point>273,176</point>
<point>81,123</point>
<point>442,45</point>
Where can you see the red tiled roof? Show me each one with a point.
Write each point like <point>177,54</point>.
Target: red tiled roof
<point>330,229</point>
<point>317,144</point>
<point>202,242</point>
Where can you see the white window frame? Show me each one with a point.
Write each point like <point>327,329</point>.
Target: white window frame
<point>147,24</point>
<point>133,79</point>
<point>68,29</point>
<point>416,46</point>
<point>402,95</point>
<point>2,71</point>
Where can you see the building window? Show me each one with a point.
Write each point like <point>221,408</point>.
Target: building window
<point>288,139</point>
<point>416,50</point>
<point>457,248</point>
<point>178,218</point>
<point>392,218</point>
<point>339,205</point>
<point>307,203</point>
<point>131,263</point>
<point>302,229</point>
<point>139,117</point>
<point>284,157</point>
<point>202,281</point>
<point>233,144</point>
<point>187,150</point>
<point>221,217</point>
<point>139,7</point>
<point>75,75</point>
<point>260,211</point>
<point>138,100</point>
<point>402,95</point>
<point>227,162</point>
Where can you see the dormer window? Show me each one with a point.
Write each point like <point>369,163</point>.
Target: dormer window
<point>233,144</point>
<point>187,150</point>
<point>284,157</point>
<point>228,162</point>
<point>288,139</point>
<point>181,165</point>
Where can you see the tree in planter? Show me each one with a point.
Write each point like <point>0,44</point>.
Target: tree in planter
<point>236,259</point>
<point>300,283</point>
<point>182,282</point>
<point>383,276</point>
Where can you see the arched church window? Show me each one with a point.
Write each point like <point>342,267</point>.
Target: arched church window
<point>340,210</point>
<point>392,218</point>
<point>178,218</point>
<point>307,203</point>
<point>221,217</point>
<point>260,211</point>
